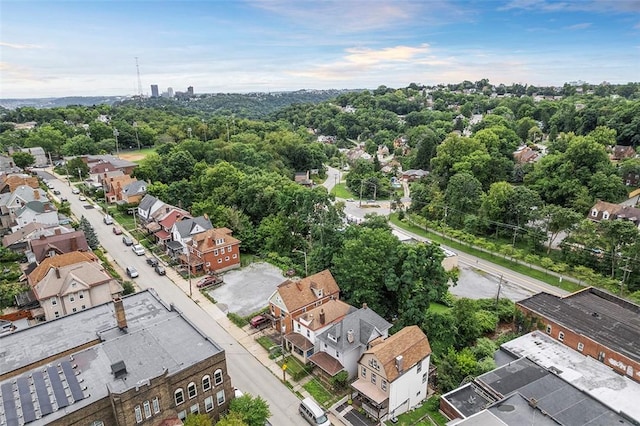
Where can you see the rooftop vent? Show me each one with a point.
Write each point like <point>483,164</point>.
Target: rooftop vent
<point>119,369</point>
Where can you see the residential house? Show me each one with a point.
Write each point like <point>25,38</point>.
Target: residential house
<point>133,192</point>
<point>39,154</point>
<point>609,211</point>
<point>340,347</point>
<point>214,250</point>
<point>594,322</point>
<point>393,374</point>
<point>7,165</point>
<point>414,175</point>
<point>35,211</point>
<point>56,244</point>
<point>106,163</point>
<point>11,182</point>
<point>302,178</point>
<point>134,360</point>
<point>28,125</point>
<point>101,177</point>
<point>113,186</point>
<point>525,155</point>
<point>19,240</point>
<point>148,205</point>
<point>621,152</point>
<point>186,229</point>
<point>632,179</point>
<point>292,298</point>
<point>306,327</point>
<point>12,202</point>
<point>72,282</point>
<point>162,225</point>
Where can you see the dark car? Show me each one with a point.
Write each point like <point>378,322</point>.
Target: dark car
<point>160,270</point>
<point>152,261</point>
<point>56,192</point>
<point>127,241</point>
<point>209,280</point>
<point>258,321</point>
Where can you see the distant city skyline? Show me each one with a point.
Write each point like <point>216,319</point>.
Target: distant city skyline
<point>70,48</point>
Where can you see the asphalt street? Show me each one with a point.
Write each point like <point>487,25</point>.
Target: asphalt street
<point>246,372</point>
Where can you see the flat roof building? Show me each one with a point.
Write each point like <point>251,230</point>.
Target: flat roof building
<point>121,363</point>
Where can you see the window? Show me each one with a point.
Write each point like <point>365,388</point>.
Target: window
<point>207,264</point>
<point>235,256</point>
<point>363,372</point>
<point>594,213</point>
<point>195,408</point>
<point>561,336</point>
<point>83,307</point>
<point>419,367</point>
<point>72,298</point>
<point>56,314</point>
<point>215,252</point>
<point>80,295</point>
<point>206,383</point>
<point>219,260</point>
<point>54,301</point>
<point>373,378</point>
<point>548,329</point>
<point>97,423</point>
<point>424,378</point>
<point>156,405</point>
<point>220,397</point>
<point>138,414</point>
<point>191,390</point>
<point>580,347</point>
<point>217,377</point>
<point>605,215</point>
<point>222,250</point>
<point>337,354</point>
<point>182,415</point>
<point>226,258</point>
<point>208,404</point>
<point>229,249</point>
<point>384,385</point>
<point>308,333</point>
<point>74,309</point>
<point>179,396</point>
<point>147,409</point>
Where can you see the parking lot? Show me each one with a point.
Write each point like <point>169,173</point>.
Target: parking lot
<point>247,290</point>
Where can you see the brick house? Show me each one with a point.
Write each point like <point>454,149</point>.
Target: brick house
<point>135,360</point>
<point>214,250</point>
<point>293,298</point>
<point>10,183</point>
<point>393,374</point>
<point>112,186</point>
<point>593,322</point>
<point>107,163</point>
<point>632,179</point>
<point>71,282</point>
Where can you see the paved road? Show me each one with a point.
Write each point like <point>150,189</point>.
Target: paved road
<point>246,372</point>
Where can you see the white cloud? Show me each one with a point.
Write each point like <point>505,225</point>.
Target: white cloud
<point>582,26</point>
<point>20,46</point>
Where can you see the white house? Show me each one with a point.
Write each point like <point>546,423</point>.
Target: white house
<point>393,374</point>
<point>183,231</point>
<point>35,211</point>
<point>339,347</point>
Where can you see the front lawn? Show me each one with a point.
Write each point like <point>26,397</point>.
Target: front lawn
<point>319,393</point>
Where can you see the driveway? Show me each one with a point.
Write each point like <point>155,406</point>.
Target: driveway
<point>247,290</point>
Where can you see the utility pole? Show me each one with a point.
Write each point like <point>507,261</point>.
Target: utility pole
<point>306,270</point>
<point>115,135</point>
<point>135,129</point>
<point>499,288</point>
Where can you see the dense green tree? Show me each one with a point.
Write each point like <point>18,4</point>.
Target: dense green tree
<point>558,219</point>
<point>463,196</point>
<point>89,233</point>
<point>254,410</point>
<point>197,419</point>
<point>23,159</point>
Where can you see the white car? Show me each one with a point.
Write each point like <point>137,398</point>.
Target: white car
<point>75,190</point>
<point>138,249</point>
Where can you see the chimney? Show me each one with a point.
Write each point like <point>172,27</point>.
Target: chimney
<point>43,237</point>
<point>73,244</point>
<point>36,194</point>
<point>350,335</point>
<point>57,231</point>
<point>322,317</point>
<point>399,365</point>
<point>57,272</point>
<point>364,306</point>
<point>121,317</point>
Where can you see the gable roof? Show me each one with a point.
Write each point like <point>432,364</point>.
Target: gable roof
<point>206,241</point>
<point>297,294</point>
<point>410,343</point>
<point>25,193</point>
<point>170,218</point>
<point>59,261</point>
<point>73,278</point>
<point>60,242</point>
<point>602,206</point>
<point>135,187</point>
<point>37,207</point>
<point>325,314</point>
<point>186,227</point>
<point>14,180</point>
<point>365,324</point>
<point>147,202</point>
<point>21,233</point>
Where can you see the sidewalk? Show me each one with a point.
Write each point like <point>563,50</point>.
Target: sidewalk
<point>246,339</point>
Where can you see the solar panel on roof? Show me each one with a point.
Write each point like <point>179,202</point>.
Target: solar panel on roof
<point>42,394</point>
<point>58,389</point>
<point>28,412</point>
<point>72,380</point>
<point>9,403</point>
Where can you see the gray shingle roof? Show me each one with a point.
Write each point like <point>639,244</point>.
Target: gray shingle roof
<point>185,227</point>
<point>137,187</point>
<point>147,202</point>
<point>366,325</point>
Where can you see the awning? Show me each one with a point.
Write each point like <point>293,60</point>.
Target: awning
<point>153,227</point>
<point>299,341</point>
<point>326,363</point>
<point>371,391</point>
<point>162,235</point>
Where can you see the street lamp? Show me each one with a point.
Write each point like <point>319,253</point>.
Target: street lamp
<point>115,135</point>
<point>306,270</point>
<point>135,128</point>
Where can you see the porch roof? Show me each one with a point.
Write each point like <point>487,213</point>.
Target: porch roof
<point>153,226</point>
<point>299,341</point>
<point>369,390</point>
<point>162,235</point>
<point>326,363</point>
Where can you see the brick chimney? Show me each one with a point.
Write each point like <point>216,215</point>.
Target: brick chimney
<point>322,316</point>
<point>364,306</point>
<point>73,244</point>
<point>58,231</point>
<point>121,317</point>
<point>57,272</point>
<point>36,194</point>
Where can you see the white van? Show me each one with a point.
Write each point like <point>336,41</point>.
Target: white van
<point>312,413</point>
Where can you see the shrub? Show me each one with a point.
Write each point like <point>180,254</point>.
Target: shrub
<point>128,288</point>
<point>339,381</point>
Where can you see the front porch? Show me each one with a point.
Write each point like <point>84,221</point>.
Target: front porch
<point>299,346</point>
<point>372,400</point>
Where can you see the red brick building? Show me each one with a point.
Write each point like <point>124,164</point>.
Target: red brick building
<point>594,323</point>
<point>215,249</point>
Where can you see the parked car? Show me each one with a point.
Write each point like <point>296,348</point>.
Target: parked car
<point>160,270</point>
<point>63,199</point>
<point>209,280</point>
<point>313,413</point>
<point>82,198</point>
<point>152,261</point>
<point>108,220</point>
<point>75,191</point>
<point>56,192</point>
<point>127,241</point>
<point>117,230</point>
<point>258,321</point>
<point>132,272</point>
<point>138,249</point>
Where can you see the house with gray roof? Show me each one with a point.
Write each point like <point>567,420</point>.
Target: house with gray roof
<point>35,211</point>
<point>10,203</point>
<point>133,192</point>
<point>7,165</point>
<point>183,231</point>
<point>39,154</point>
<point>340,347</point>
<point>148,206</point>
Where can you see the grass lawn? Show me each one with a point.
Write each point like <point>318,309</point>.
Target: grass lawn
<point>438,308</point>
<point>319,393</point>
<point>491,257</point>
<point>341,191</point>
<point>414,417</point>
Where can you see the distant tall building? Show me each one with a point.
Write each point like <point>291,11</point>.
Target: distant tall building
<point>190,90</point>
<point>170,92</point>
<point>154,91</point>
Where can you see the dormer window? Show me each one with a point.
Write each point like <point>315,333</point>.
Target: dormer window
<point>605,215</point>
<point>332,338</point>
<point>594,213</point>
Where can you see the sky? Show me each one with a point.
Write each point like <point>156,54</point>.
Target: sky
<point>54,48</point>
